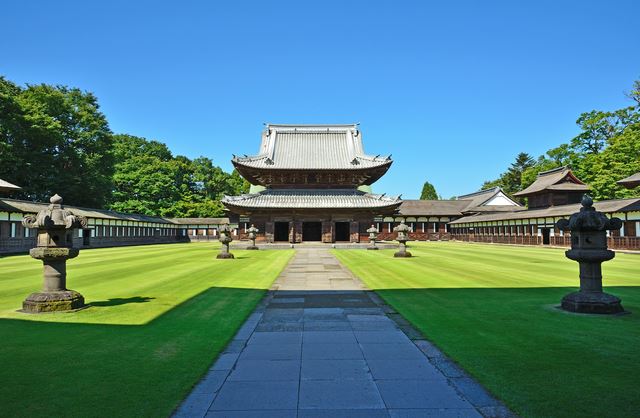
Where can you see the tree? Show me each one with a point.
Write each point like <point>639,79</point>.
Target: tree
<point>148,179</point>
<point>619,160</point>
<point>599,127</point>
<point>428,192</point>
<point>55,140</point>
<point>510,181</point>
<point>605,151</point>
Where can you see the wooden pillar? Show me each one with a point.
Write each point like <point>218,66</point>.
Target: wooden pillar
<point>355,231</point>
<point>293,230</point>
<point>327,231</point>
<point>268,231</point>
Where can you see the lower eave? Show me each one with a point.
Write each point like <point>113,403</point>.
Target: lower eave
<point>353,176</point>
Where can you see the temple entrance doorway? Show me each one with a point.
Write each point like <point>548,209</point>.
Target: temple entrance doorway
<point>545,236</point>
<point>281,231</point>
<point>311,231</point>
<point>342,231</point>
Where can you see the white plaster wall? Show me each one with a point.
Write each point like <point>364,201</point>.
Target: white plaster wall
<point>499,199</point>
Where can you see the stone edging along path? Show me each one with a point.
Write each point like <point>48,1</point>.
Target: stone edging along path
<point>321,345</point>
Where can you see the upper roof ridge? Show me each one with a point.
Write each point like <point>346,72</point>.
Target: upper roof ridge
<point>493,189</point>
<point>554,170</point>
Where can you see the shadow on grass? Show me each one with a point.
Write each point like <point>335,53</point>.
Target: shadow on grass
<point>96,370</point>
<point>542,362</point>
<point>121,301</point>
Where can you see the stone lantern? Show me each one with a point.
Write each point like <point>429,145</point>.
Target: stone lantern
<point>402,238</point>
<point>225,238</point>
<point>589,248</point>
<point>253,233</point>
<point>54,247</point>
<point>373,236</point>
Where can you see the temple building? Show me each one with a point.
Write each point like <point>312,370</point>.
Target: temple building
<point>554,187</point>
<point>555,194</point>
<point>311,184</point>
<point>630,182</point>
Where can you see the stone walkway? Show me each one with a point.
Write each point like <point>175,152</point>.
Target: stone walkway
<point>320,346</point>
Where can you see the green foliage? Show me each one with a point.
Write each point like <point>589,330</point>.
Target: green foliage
<point>148,179</point>
<point>428,192</point>
<point>511,179</point>
<point>607,150</point>
<point>54,139</point>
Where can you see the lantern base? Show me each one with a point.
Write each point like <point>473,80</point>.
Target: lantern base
<point>63,301</point>
<point>225,256</point>
<point>592,303</point>
<point>402,254</point>
<point>252,247</point>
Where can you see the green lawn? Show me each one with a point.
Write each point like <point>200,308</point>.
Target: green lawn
<point>491,309</point>
<point>160,314</point>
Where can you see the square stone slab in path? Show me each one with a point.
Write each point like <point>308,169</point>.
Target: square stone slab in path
<point>335,370</point>
<point>242,396</point>
<point>263,370</point>
<point>421,394</point>
<point>339,394</point>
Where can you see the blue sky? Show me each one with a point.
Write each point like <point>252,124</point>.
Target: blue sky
<point>454,90</point>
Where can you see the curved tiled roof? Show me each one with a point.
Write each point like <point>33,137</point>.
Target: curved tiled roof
<point>631,181</point>
<point>311,199</point>
<point>5,186</point>
<point>481,197</point>
<point>433,207</point>
<point>13,205</point>
<point>560,178</point>
<point>606,206</point>
<point>312,147</point>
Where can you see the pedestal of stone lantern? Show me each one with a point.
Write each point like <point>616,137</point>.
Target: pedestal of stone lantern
<point>225,238</point>
<point>373,236</point>
<point>402,237</point>
<point>55,227</point>
<point>253,233</point>
<point>589,248</point>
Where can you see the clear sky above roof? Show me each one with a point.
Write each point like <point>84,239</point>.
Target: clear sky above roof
<point>454,90</point>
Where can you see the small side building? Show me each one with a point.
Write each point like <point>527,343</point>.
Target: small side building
<point>430,220</point>
<point>630,182</point>
<point>554,188</point>
<point>554,195</point>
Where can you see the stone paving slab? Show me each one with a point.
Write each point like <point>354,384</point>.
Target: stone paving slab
<point>340,394</point>
<point>262,395</point>
<point>321,345</point>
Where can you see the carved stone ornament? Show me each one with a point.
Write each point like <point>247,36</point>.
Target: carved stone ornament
<point>589,248</point>
<point>55,226</point>
<point>253,233</point>
<point>373,236</point>
<point>402,237</point>
<point>225,238</point>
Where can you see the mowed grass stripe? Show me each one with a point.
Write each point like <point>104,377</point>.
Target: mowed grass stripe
<point>492,309</point>
<point>126,356</point>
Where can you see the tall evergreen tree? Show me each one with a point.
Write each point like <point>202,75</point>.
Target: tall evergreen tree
<point>428,192</point>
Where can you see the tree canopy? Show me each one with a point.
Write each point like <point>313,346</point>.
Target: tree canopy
<point>428,192</point>
<point>606,150</point>
<point>54,139</point>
